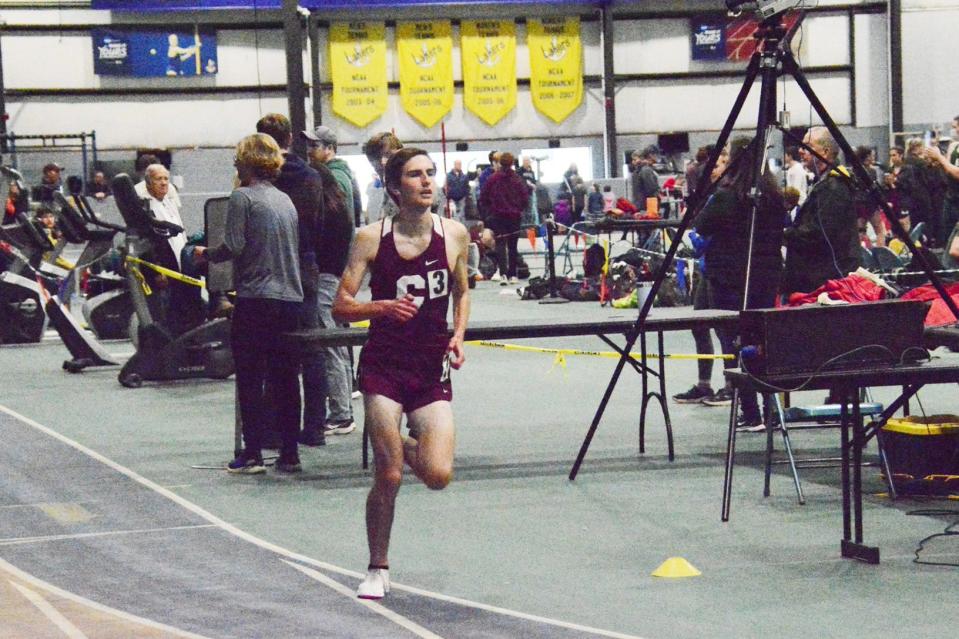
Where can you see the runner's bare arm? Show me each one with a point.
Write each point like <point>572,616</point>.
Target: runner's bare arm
<point>459,236</point>
<point>346,308</point>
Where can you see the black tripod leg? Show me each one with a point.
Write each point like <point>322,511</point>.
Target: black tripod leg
<point>703,189</point>
<point>630,342</point>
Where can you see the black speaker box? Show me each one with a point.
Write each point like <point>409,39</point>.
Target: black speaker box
<point>807,339</point>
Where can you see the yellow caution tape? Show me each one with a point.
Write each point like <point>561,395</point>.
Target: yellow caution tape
<point>142,280</point>
<point>162,270</point>
<point>561,353</point>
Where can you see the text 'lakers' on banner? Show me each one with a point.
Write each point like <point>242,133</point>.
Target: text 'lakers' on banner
<point>358,70</point>
<point>425,50</point>
<point>556,66</point>
<point>489,67</point>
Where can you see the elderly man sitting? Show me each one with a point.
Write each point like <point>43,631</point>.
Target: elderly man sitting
<point>164,208</point>
<point>181,304</point>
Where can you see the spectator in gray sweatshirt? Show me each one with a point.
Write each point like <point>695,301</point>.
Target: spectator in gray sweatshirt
<point>262,239</point>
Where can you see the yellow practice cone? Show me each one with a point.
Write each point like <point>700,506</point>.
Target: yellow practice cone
<point>676,567</point>
<point>531,236</point>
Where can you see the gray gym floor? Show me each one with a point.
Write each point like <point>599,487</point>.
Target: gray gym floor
<point>114,525</point>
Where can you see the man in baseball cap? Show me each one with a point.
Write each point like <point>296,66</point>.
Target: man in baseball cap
<point>338,236</point>
<point>320,135</point>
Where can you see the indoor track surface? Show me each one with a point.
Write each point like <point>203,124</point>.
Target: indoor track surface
<point>115,520</point>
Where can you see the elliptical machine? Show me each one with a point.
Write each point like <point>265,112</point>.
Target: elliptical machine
<point>22,319</point>
<point>107,312</point>
<point>202,351</point>
<point>84,348</point>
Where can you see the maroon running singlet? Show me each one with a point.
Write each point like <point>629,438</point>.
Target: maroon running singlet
<point>407,361</point>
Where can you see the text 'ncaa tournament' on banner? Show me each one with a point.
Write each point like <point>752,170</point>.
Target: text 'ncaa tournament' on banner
<point>556,66</point>
<point>488,49</point>
<point>425,50</point>
<point>358,71</point>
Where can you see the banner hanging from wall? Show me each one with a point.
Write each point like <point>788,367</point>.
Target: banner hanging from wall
<point>556,66</point>
<point>154,53</point>
<point>708,38</point>
<point>358,71</point>
<point>425,51</point>
<point>488,49</point>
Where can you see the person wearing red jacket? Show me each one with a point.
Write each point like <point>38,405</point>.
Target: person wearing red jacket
<point>505,196</point>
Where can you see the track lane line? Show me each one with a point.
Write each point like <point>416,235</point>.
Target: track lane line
<point>51,613</point>
<point>378,608</point>
<point>15,541</point>
<point>89,603</point>
<point>262,543</point>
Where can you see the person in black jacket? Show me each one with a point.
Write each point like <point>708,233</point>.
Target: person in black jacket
<point>305,188</point>
<point>505,196</point>
<point>921,186</point>
<point>457,190</point>
<point>823,243</point>
<point>725,223</point>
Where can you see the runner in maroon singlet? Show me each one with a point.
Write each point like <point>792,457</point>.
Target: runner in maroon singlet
<point>417,263</point>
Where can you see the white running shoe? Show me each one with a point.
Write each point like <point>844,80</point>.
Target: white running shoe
<point>344,427</point>
<point>376,585</point>
<point>496,277</point>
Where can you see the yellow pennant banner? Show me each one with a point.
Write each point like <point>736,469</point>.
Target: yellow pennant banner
<point>556,66</point>
<point>488,49</point>
<point>425,50</point>
<point>358,70</point>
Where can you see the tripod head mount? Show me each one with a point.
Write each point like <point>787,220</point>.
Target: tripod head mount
<point>765,9</point>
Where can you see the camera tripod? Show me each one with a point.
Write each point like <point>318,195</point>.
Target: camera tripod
<point>772,59</point>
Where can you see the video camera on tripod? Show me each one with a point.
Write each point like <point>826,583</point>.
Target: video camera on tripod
<point>765,9</point>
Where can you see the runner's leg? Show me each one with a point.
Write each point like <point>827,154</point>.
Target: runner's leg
<point>382,423</point>
<point>431,454</point>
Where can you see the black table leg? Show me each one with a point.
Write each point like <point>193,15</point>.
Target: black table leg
<point>662,396</point>
<point>856,549</point>
<point>659,395</point>
<point>856,469</point>
<point>646,395</point>
<point>844,472</point>
<point>730,455</point>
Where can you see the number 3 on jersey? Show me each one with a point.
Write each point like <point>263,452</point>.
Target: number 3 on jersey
<point>437,285</point>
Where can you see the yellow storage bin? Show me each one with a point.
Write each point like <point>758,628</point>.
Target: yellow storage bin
<point>918,446</point>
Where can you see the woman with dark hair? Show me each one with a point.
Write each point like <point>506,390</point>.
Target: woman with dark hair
<point>505,196</point>
<point>725,221</point>
<point>262,238</point>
